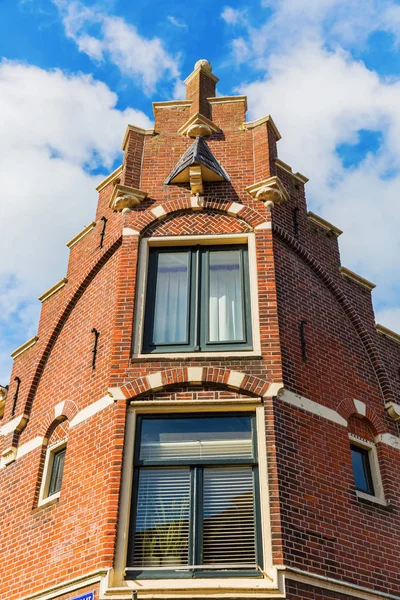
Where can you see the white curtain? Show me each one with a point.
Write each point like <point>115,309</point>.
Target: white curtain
<point>226,301</point>
<point>170,315</point>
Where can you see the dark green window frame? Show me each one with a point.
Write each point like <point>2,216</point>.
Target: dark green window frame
<point>197,302</point>
<point>57,470</point>
<point>367,484</point>
<point>197,467</point>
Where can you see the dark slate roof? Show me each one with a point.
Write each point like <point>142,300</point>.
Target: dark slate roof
<point>200,154</point>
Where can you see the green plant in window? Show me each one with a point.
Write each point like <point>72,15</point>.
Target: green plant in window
<point>172,540</point>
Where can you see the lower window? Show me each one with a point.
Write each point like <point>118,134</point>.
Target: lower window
<point>195,506</point>
<point>362,469</point>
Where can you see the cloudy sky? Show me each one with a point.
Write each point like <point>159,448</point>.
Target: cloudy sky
<point>73,74</point>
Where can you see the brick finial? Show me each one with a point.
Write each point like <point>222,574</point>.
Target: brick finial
<point>200,85</point>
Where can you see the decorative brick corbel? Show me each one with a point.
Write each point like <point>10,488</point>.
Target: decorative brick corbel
<point>196,179</point>
<point>393,410</point>
<point>198,125</point>
<point>270,191</point>
<point>124,196</point>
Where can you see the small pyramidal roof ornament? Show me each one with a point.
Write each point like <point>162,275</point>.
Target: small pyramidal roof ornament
<point>196,165</point>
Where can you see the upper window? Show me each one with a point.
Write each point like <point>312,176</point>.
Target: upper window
<point>362,469</point>
<point>53,472</point>
<point>197,299</point>
<point>195,501</point>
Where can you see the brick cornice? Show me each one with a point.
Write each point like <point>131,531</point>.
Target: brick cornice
<point>364,335</point>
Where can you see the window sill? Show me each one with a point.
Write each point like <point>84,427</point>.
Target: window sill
<point>49,500</point>
<point>368,498</point>
<point>192,574</point>
<point>241,355</point>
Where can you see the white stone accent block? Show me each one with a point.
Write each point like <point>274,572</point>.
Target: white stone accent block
<point>195,374</point>
<point>155,381</point>
<point>34,443</point>
<point>390,440</point>
<point>235,209</point>
<point>235,379</point>
<point>158,211</point>
<point>312,407</point>
<point>361,408</point>
<point>8,456</point>
<point>274,389</point>
<point>265,225</point>
<point>129,231</point>
<point>116,393</point>
<point>91,410</point>
<point>12,425</point>
<point>58,409</point>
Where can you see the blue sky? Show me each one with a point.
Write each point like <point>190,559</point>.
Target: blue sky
<point>74,73</point>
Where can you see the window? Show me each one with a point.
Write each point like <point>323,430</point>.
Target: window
<point>198,299</point>
<point>195,498</point>
<point>53,472</point>
<point>362,469</point>
<point>57,469</point>
<point>367,477</point>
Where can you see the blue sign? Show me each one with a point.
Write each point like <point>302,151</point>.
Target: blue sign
<point>87,596</point>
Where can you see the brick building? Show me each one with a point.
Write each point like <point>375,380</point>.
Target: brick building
<point>208,409</point>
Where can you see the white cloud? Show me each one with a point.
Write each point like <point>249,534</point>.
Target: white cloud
<point>322,98</point>
<point>232,16</point>
<point>53,127</point>
<point>176,22</point>
<point>240,50</point>
<point>104,37</point>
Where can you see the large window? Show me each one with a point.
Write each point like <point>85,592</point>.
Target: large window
<point>195,498</point>
<point>197,299</point>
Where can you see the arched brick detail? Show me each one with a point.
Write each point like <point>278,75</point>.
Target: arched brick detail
<point>245,383</point>
<point>70,303</point>
<point>48,429</point>
<point>141,220</point>
<point>364,335</point>
<point>57,414</point>
<point>347,409</point>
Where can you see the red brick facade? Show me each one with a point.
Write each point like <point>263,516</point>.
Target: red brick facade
<point>326,540</point>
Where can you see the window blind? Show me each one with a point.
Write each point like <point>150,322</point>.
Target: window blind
<point>229,536</point>
<point>162,521</point>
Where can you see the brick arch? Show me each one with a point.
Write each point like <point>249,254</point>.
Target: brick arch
<point>227,378</point>
<point>141,220</point>
<point>62,420</point>
<point>363,333</point>
<point>64,411</point>
<point>348,408</point>
<point>62,318</point>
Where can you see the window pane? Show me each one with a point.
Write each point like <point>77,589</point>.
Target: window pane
<point>57,472</point>
<point>171,305</point>
<point>196,438</point>
<point>361,470</point>
<point>162,520</point>
<point>226,296</point>
<point>229,536</point>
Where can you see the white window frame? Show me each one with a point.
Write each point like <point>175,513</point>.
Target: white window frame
<point>205,240</point>
<point>176,588</point>
<point>379,496</point>
<point>44,498</point>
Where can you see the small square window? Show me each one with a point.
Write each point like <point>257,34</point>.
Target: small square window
<point>362,469</point>
<point>196,507</point>
<point>198,300</point>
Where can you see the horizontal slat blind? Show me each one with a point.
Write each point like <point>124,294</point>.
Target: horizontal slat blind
<point>229,536</point>
<point>162,521</point>
<point>215,449</point>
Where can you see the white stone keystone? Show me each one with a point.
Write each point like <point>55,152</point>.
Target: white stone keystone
<point>58,409</point>
<point>195,374</point>
<point>158,212</point>
<point>235,379</point>
<point>361,407</point>
<point>155,381</point>
<point>235,208</point>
